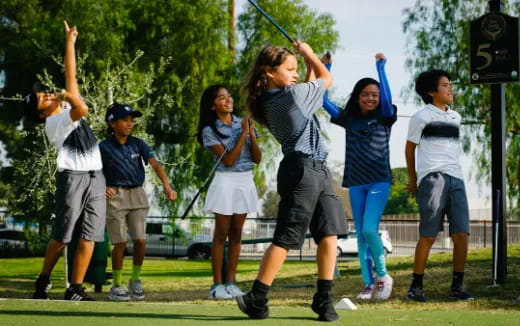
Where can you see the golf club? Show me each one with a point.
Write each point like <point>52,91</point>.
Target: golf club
<point>204,184</point>
<point>272,21</point>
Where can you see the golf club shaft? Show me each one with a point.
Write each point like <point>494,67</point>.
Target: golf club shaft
<point>272,21</point>
<point>203,185</point>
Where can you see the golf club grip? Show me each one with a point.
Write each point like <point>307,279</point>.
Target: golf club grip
<point>272,21</point>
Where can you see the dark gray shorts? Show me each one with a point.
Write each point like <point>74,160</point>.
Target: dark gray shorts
<point>440,194</point>
<point>80,206</point>
<point>307,201</point>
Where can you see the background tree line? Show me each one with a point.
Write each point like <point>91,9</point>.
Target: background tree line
<point>156,55</point>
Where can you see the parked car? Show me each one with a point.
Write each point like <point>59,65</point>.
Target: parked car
<point>161,237</point>
<point>349,246</point>
<point>12,239</point>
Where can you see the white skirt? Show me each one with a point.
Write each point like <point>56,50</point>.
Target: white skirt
<point>232,193</point>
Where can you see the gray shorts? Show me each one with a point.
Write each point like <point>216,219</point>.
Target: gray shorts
<point>307,201</point>
<point>440,194</point>
<point>80,206</point>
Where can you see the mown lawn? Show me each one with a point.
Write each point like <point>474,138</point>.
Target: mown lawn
<point>177,289</point>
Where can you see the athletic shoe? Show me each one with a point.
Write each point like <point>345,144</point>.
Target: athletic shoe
<point>219,292</point>
<point>253,307</point>
<point>117,293</point>
<point>367,293</point>
<point>322,305</point>
<point>461,294</point>
<point>234,290</point>
<point>135,289</point>
<point>42,286</point>
<point>74,294</point>
<point>416,294</point>
<point>384,287</point>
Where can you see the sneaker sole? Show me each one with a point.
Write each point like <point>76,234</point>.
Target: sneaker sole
<point>137,297</point>
<point>243,307</point>
<point>116,298</point>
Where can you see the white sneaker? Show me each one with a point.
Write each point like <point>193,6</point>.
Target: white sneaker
<point>117,293</point>
<point>384,287</point>
<point>219,292</point>
<point>234,290</point>
<point>135,289</point>
<point>367,293</point>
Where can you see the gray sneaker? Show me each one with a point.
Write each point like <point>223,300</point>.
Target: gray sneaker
<point>135,289</point>
<point>117,293</point>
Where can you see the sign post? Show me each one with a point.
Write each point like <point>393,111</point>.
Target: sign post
<point>494,59</point>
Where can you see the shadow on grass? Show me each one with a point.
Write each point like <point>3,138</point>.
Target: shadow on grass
<point>135,315</point>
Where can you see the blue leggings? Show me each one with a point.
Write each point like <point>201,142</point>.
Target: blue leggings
<point>368,203</point>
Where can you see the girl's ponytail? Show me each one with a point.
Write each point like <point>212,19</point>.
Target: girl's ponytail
<point>270,57</point>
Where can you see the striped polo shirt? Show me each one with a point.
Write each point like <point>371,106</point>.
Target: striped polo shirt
<point>436,133</point>
<point>367,153</point>
<point>290,118</point>
<point>231,135</point>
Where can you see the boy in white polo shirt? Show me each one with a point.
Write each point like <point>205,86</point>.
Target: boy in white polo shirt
<point>438,181</point>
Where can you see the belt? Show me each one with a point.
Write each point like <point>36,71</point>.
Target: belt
<point>125,187</point>
<point>92,173</point>
<point>305,158</point>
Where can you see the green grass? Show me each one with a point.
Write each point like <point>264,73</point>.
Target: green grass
<point>176,291</point>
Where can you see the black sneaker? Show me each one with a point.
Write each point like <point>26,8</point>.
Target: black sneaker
<point>415,294</point>
<point>253,307</point>
<point>42,286</point>
<point>461,294</point>
<point>322,305</point>
<point>75,294</point>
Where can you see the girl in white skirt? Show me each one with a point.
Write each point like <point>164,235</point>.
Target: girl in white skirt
<point>232,193</point>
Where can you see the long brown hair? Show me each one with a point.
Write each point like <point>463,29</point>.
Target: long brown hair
<point>270,57</point>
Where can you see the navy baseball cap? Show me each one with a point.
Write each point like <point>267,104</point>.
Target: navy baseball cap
<point>118,111</point>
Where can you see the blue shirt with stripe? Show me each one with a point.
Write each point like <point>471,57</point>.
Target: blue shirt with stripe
<point>123,163</point>
<point>367,152</point>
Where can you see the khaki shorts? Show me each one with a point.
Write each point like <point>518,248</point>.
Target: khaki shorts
<point>126,213</point>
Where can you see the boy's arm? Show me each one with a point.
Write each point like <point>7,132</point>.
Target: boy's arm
<point>71,95</point>
<point>384,88</point>
<point>169,193</point>
<point>410,166</point>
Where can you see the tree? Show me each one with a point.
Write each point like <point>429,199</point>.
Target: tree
<point>400,201</point>
<point>180,54</point>
<point>438,35</point>
<point>270,205</point>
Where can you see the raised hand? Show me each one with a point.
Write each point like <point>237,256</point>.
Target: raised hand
<point>304,49</point>
<point>70,32</point>
<point>380,56</point>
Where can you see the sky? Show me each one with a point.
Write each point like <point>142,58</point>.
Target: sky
<point>366,28</point>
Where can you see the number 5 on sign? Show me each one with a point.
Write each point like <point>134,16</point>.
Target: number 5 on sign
<point>488,58</point>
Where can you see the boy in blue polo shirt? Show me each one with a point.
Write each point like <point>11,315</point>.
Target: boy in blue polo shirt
<point>127,205</point>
